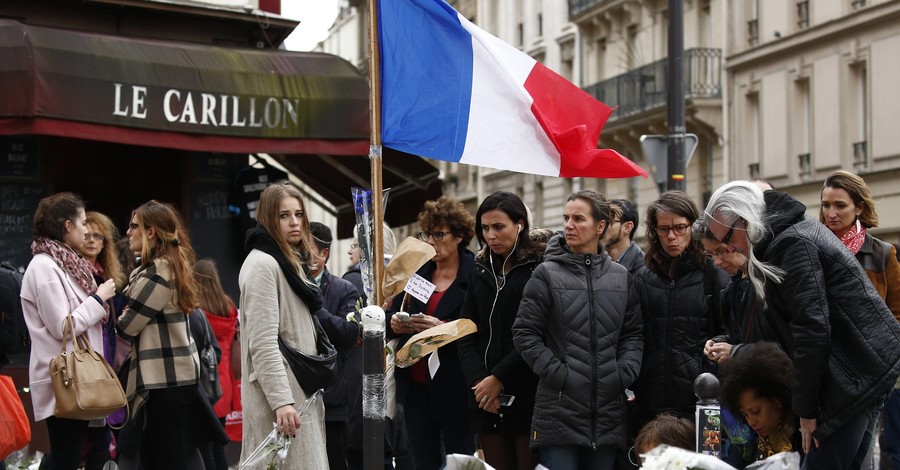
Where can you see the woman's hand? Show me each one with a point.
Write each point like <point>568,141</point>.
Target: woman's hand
<point>400,327</point>
<point>807,427</point>
<point>106,290</point>
<point>717,352</point>
<point>288,420</point>
<point>486,392</point>
<point>423,322</point>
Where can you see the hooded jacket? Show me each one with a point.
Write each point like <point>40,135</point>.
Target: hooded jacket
<point>828,317</point>
<point>579,328</point>
<point>492,303</point>
<point>677,301</point>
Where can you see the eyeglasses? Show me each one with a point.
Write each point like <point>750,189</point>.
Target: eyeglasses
<point>679,229</point>
<point>438,236</point>
<point>133,226</point>
<point>95,236</point>
<point>720,252</point>
<point>354,246</point>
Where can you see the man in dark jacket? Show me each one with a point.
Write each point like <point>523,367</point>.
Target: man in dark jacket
<point>619,237</point>
<point>339,298</point>
<point>827,316</point>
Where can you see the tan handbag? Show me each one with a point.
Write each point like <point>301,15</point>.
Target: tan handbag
<point>85,386</point>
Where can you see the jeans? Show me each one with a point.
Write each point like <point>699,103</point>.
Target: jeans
<point>890,438</point>
<point>847,446</point>
<point>578,458</point>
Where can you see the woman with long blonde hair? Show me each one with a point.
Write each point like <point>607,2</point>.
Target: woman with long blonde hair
<point>278,299</point>
<point>171,418</point>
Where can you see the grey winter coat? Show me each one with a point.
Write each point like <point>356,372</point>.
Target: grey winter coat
<point>579,328</point>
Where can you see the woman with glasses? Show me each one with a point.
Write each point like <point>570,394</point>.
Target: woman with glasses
<point>825,312</point>
<point>57,284</point>
<point>492,366</point>
<point>679,289</point>
<point>436,404</point>
<point>170,419</point>
<point>579,329</point>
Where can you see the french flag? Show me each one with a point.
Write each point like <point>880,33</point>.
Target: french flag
<point>451,91</point>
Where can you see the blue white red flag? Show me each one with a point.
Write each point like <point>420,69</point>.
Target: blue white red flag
<point>451,91</point>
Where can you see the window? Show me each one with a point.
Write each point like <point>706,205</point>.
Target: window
<point>520,34</point>
<point>540,24</point>
<point>860,113</point>
<point>805,167</point>
<point>803,14</point>
<point>753,32</point>
<point>857,4</point>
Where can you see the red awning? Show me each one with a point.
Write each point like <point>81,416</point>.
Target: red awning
<point>176,95</point>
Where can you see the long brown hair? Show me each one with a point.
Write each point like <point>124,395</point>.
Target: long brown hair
<point>267,217</point>
<point>109,255</point>
<point>212,297</point>
<point>859,193</point>
<point>172,244</point>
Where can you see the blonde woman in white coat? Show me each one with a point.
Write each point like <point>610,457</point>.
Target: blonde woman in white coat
<point>277,298</point>
<point>58,283</point>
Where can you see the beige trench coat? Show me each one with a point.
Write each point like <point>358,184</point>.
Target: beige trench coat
<point>269,307</point>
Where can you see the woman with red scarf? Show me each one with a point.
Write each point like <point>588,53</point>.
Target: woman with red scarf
<point>849,211</point>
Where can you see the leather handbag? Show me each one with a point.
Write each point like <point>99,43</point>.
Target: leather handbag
<point>312,372</point>
<point>84,384</point>
<point>209,365</point>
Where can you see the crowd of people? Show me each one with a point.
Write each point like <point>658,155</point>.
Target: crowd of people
<point>586,344</point>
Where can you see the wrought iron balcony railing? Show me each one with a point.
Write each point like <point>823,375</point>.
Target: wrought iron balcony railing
<point>645,87</point>
<point>577,7</point>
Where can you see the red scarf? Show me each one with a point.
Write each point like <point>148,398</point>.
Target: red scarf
<point>68,260</point>
<point>854,237</point>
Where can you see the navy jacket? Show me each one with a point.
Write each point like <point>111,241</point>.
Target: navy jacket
<point>339,298</point>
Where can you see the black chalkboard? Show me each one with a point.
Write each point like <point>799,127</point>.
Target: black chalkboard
<point>213,229</point>
<point>18,202</point>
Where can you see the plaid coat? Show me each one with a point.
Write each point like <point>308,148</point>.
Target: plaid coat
<point>164,354</point>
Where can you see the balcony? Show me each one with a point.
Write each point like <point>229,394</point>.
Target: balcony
<point>577,7</point>
<point>645,88</point>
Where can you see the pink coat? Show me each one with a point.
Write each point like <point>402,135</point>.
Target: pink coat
<point>48,296</point>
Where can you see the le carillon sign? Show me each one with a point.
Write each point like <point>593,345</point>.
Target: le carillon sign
<point>97,86</point>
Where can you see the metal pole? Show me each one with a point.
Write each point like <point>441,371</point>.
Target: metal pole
<point>675,96</point>
<point>373,332</point>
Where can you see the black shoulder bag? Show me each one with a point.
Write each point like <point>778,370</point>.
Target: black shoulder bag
<point>312,372</point>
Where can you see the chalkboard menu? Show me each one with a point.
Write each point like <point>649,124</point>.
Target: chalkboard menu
<point>214,230</point>
<point>18,202</point>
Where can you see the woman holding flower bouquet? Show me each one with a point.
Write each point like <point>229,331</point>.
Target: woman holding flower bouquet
<point>279,299</point>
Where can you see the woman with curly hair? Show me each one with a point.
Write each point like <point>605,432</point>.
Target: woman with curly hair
<point>435,406</point>
<point>170,417</point>
<point>756,385</point>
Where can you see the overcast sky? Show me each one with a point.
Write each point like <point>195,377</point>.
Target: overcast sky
<point>315,16</point>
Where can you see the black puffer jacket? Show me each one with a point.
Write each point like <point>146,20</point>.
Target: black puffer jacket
<point>844,341</point>
<point>491,350</point>
<point>743,316</point>
<point>579,328</point>
<point>679,316</point>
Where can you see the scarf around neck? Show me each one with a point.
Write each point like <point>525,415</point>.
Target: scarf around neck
<point>76,266</point>
<point>258,238</point>
<point>854,237</point>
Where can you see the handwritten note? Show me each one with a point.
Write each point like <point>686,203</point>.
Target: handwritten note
<point>419,287</point>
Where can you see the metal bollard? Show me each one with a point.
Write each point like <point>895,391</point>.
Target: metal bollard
<point>708,415</point>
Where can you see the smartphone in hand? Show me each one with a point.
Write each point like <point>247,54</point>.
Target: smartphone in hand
<point>506,400</point>
<point>403,316</point>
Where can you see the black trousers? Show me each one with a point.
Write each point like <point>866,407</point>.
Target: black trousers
<point>336,444</point>
<point>67,440</point>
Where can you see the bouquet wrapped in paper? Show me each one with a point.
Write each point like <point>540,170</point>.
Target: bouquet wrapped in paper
<point>425,342</point>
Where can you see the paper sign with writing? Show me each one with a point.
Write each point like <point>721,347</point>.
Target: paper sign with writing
<point>419,287</point>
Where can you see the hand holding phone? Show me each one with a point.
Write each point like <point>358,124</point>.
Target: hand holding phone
<point>403,316</point>
<point>506,400</point>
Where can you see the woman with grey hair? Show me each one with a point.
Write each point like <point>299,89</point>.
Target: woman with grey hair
<point>824,311</point>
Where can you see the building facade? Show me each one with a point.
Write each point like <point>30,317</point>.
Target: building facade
<point>784,90</point>
<point>811,90</point>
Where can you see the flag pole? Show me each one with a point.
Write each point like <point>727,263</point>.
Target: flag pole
<point>373,335</point>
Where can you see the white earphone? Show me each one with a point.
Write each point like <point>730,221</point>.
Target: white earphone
<point>520,228</point>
